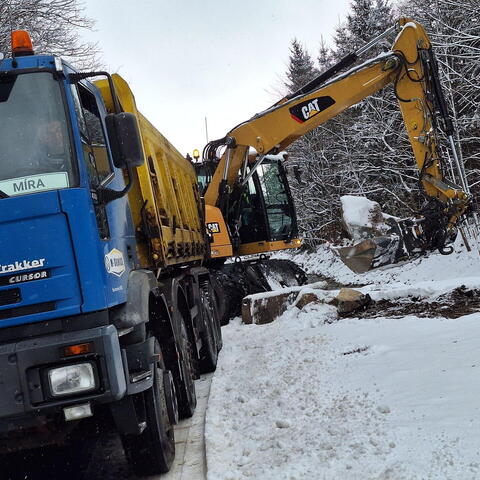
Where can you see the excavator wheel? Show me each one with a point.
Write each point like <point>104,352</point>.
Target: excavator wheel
<point>281,272</point>
<point>230,287</point>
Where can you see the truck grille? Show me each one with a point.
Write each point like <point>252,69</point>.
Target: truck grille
<point>10,296</point>
<point>27,310</point>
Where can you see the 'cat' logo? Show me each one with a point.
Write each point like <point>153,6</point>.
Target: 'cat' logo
<point>306,110</point>
<point>213,227</point>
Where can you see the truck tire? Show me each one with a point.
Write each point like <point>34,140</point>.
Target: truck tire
<point>218,328</point>
<point>152,452</point>
<point>216,316</point>
<point>183,377</point>
<point>212,335</point>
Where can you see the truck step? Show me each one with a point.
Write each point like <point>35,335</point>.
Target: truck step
<point>139,376</point>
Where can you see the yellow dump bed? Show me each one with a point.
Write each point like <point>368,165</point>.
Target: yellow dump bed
<point>164,200</point>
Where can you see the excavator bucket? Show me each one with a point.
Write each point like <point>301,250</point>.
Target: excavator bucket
<point>406,239</point>
<point>372,253</point>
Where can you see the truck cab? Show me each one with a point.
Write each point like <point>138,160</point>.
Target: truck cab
<point>63,252</point>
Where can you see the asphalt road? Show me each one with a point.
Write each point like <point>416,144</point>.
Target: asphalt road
<point>101,458</point>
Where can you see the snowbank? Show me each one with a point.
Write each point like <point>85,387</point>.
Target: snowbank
<point>459,265</point>
<point>357,399</point>
<point>314,397</point>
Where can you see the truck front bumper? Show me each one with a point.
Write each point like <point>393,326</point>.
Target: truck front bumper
<point>25,391</point>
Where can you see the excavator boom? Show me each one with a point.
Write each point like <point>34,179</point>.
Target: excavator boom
<point>410,67</point>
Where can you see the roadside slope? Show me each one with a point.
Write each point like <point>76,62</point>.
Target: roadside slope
<point>314,396</point>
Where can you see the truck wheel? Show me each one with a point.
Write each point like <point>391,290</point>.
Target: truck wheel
<point>171,394</point>
<point>152,452</point>
<point>209,350</point>
<point>183,377</point>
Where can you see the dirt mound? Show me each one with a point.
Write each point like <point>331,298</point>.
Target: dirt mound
<point>458,302</point>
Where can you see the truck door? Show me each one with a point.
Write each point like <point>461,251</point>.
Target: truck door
<point>95,154</point>
<point>114,222</point>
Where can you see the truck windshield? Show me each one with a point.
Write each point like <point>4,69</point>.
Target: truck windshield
<point>35,150</point>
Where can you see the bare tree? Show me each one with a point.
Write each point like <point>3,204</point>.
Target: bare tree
<point>54,26</point>
<point>365,150</point>
<point>454,29</point>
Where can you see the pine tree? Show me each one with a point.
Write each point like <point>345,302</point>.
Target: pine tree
<point>367,19</point>
<point>325,56</point>
<point>301,68</point>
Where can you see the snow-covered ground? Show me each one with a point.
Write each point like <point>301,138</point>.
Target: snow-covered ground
<point>432,268</point>
<point>312,396</point>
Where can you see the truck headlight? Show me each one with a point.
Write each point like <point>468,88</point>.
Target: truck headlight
<point>71,379</point>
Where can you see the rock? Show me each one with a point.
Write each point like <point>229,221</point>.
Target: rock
<point>282,424</point>
<point>349,300</point>
<point>307,298</point>
<point>363,218</point>
<point>261,309</point>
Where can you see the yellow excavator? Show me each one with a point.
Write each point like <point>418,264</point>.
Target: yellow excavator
<point>249,209</point>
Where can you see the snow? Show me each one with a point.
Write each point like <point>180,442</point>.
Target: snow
<point>357,210</point>
<point>379,58</point>
<point>312,396</point>
<point>362,217</point>
<point>430,269</point>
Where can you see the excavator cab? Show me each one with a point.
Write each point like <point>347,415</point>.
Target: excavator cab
<point>204,171</point>
<point>254,217</point>
<point>260,214</point>
<point>262,217</point>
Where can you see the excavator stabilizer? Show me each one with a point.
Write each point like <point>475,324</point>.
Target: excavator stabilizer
<point>236,280</point>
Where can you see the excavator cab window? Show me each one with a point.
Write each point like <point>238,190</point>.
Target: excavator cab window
<point>204,171</point>
<point>253,221</point>
<point>278,208</point>
<point>267,211</point>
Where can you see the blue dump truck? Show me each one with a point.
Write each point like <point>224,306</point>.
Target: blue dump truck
<point>106,308</point>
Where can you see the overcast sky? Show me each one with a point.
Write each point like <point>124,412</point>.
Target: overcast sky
<point>186,60</point>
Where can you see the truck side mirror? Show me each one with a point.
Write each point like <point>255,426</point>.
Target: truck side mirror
<point>125,141</point>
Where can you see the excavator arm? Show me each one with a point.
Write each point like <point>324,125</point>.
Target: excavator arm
<point>410,67</point>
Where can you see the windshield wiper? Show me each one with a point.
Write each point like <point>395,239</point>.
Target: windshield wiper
<point>4,195</point>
